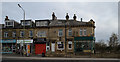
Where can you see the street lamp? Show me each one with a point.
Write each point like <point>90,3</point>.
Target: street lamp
<point>23,27</point>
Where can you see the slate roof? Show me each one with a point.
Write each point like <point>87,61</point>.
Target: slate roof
<point>68,23</point>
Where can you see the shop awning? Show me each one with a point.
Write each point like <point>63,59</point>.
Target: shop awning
<point>84,38</point>
<point>7,41</point>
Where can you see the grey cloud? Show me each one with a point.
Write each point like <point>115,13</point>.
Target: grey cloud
<point>104,14</point>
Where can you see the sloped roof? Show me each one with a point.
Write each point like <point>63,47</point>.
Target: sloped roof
<point>68,23</point>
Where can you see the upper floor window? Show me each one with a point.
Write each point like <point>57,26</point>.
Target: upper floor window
<point>21,33</point>
<point>84,32</point>
<point>26,23</point>
<point>41,34</point>
<point>42,23</point>
<point>81,32</point>
<point>70,32</point>
<point>5,34</point>
<point>30,33</point>
<point>60,32</point>
<point>9,23</point>
<point>13,34</point>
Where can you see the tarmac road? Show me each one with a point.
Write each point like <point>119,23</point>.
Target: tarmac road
<point>47,59</point>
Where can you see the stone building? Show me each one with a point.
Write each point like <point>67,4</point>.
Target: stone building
<point>53,36</point>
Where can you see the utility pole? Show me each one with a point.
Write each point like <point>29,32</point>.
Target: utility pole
<point>67,17</point>
<point>23,28</point>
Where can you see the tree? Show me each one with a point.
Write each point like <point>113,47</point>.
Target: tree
<point>113,42</point>
<point>100,46</point>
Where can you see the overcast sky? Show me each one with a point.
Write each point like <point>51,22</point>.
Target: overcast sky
<point>105,14</point>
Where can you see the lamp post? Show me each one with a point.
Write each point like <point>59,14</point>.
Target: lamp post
<point>23,27</point>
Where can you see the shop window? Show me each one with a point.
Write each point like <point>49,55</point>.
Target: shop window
<point>30,33</point>
<point>60,32</point>
<point>13,34</point>
<point>60,45</point>
<point>70,32</point>
<point>81,32</point>
<point>70,45</point>
<point>5,34</point>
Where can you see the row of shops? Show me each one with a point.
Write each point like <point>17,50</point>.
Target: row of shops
<point>39,46</point>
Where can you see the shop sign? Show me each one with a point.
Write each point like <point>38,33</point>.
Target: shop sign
<point>24,41</point>
<point>7,41</point>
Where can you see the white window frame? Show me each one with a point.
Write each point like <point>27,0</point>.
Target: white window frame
<point>21,33</point>
<point>41,23</point>
<point>85,32</point>
<point>30,32</point>
<point>69,42</point>
<point>13,34</point>
<point>41,34</point>
<point>37,24</point>
<point>5,34</point>
<point>60,31</point>
<point>70,32</point>
<point>81,32</point>
<point>26,23</point>
<point>6,23</point>
<point>58,46</point>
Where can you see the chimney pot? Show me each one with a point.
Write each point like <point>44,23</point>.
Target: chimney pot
<point>81,19</point>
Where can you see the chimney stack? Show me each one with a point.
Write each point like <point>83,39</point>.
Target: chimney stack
<point>6,18</point>
<point>81,19</point>
<point>67,16</point>
<point>74,17</point>
<point>53,16</point>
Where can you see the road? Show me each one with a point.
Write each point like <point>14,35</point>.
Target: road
<point>48,59</point>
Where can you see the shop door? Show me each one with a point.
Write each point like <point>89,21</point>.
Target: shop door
<point>40,48</point>
<point>53,47</point>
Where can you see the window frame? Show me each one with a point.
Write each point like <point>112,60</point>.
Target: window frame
<point>60,32</point>
<point>60,43</point>
<point>70,32</point>
<point>11,23</point>
<point>84,32</point>
<point>81,32</point>
<point>14,34</point>
<point>70,42</point>
<point>22,32</point>
<point>6,34</point>
<point>41,34</point>
<point>30,32</point>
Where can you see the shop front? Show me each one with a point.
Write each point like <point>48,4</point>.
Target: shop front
<point>40,45</point>
<point>8,46</point>
<point>84,44</point>
<point>25,45</point>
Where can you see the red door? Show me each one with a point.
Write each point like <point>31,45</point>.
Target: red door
<point>40,48</point>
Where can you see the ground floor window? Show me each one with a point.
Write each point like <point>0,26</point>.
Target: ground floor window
<point>69,44</point>
<point>83,45</point>
<point>8,47</point>
<point>60,45</point>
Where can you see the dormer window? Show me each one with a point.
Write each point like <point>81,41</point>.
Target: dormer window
<point>26,23</point>
<point>9,23</point>
<point>59,22</point>
<point>42,23</point>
